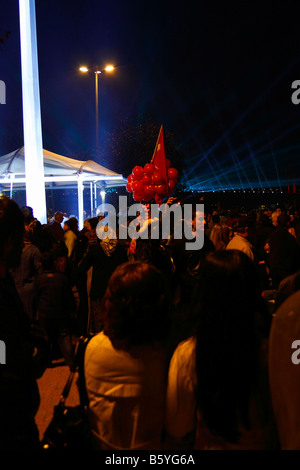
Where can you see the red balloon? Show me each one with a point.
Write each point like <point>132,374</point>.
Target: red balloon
<point>147,179</point>
<point>148,192</point>
<point>161,190</point>
<point>172,173</point>
<point>130,178</point>
<point>149,169</point>
<point>137,186</point>
<point>157,178</point>
<point>138,197</point>
<point>168,163</point>
<point>138,172</point>
<point>129,187</point>
<point>148,197</point>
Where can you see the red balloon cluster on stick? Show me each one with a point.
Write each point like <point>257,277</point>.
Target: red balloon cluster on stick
<point>146,183</point>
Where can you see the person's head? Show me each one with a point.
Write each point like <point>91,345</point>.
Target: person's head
<point>92,223</point>
<point>11,233</point>
<point>241,226</point>
<point>282,221</point>
<point>232,323</point>
<point>28,214</point>
<point>71,224</point>
<point>136,305</point>
<point>58,217</point>
<point>33,230</point>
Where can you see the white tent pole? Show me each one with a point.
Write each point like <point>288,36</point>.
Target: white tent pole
<point>91,196</point>
<point>80,202</point>
<point>95,200</point>
<point>33,146</point>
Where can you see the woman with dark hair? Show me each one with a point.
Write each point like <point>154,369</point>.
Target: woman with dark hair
<point>218,394</point>
<point>126,364</point>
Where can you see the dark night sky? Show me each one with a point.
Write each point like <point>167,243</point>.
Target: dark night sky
<point>217,75</point>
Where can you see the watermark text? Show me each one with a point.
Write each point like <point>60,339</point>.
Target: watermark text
<point>2,352</point>
<point>153,221</point>
<point>2,92</point>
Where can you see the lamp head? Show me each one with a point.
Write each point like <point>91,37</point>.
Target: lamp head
<point>109,68</point>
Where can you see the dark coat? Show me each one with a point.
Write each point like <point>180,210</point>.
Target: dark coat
<point>19,394</point>
<point>103,267</point>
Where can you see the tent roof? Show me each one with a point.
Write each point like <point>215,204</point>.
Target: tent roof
<point>57,168</point>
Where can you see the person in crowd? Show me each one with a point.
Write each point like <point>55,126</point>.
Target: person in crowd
<point>292,218</point>
<point>28,215</point>
<point>55,229</point>
<point>284,372</point>
<point>91,230</point>
<point>218,394</point>
<point>283,252</point>
<point>220,236</point>
<point>25,361</point>
<point>151,248</point>
<point>55,306</point>
<point>214,219</point>
<point>187,268</point>
<point>240,240</point>
<point>70,235</point>
<point>233,217</point>
<point>263,229</point>
<point>126,364</point>
<point>25,274</point>
<point>274,216</point>
<point>86,240</point>
<point>103,257</point>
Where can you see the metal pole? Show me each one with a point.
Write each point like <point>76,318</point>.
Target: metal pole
<point>32,127</point>
<point>80,202</point>
<point>91,196</point>
<point>97,112</point>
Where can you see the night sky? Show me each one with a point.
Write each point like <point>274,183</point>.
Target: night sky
<point>217,75</point>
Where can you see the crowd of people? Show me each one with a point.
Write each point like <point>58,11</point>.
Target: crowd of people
<point>184,345</point>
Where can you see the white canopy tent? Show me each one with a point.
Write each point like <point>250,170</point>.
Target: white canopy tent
<point>60,172</point>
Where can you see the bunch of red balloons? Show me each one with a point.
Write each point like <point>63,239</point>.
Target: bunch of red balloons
<point>148,182</point>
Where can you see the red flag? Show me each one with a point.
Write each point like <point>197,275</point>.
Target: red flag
<point>159,157</point>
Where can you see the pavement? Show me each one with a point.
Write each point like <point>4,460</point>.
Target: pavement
<point>51,385</point>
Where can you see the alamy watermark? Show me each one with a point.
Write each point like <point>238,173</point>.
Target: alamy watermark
<point>2,92</point>
<point>153,221</point>
<point>296,354</point>
<point>296,94</point>
<point>2,352</point>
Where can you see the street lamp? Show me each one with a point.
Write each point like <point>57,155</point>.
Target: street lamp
<point>97,70</point>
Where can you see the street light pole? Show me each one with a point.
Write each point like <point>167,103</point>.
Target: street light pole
<point>97,110</point>
<point>97,71</point>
